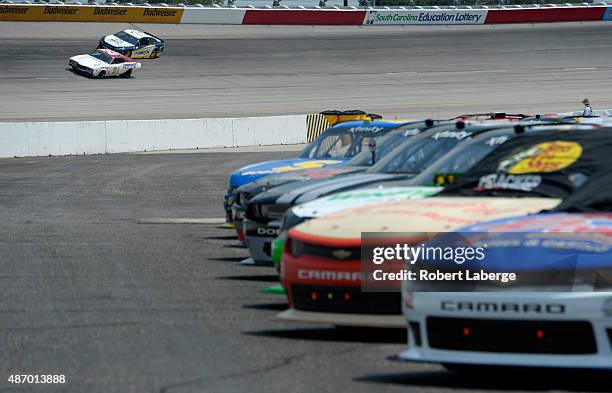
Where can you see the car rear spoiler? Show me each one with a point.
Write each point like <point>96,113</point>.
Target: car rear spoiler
<point>335,116</point>
<point>491,116</point>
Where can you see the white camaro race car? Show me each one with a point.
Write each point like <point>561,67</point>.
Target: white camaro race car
<point>104,62</point>
<point>568,328</point>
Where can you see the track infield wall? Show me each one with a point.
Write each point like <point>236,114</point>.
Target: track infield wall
<point>301,16</point>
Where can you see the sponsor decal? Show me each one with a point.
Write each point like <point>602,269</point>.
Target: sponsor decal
<point>364,129</point>
<point>563,223</point>
<point>382,193</point>
<point>608,14</point>
<point>115,41</point>
<point>497,140</point>
<point>159,12</point>
<point>15,10</point>
<point>298,166</point>
<point>543,157</point>
<point>143,51</point>
<point>411,132</point>
<point>503,181</point>
<point>518,171</point>
<point>503,307</point>
<point>87,13</point>
<point>425,17</point>
<point>60,10</point>
<point>444,179</point>
<point>109,11</point>
<point>459,135</point>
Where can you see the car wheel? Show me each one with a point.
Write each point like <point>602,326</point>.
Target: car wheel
<point>102,74</point>
<point>127,74</point>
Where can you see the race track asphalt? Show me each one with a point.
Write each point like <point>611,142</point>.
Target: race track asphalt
<point>227,71</point>
<point>98,284</point>
<point>116,305</point>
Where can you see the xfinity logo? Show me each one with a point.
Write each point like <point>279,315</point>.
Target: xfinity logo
<point>363,129</point>
<point>459,135</point>
<point>411,132</point>
<point>517,308</point>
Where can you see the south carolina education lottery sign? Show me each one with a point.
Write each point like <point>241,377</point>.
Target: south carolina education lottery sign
<point>425,17</point>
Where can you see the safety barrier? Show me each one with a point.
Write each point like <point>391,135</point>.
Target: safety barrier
<point>121,136</point>
<point>315,125</point>
<point>305,16</point>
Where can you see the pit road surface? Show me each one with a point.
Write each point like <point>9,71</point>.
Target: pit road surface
<point>235,71</point>
<point>118,306</point>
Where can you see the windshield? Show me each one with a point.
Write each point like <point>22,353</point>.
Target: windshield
<point>101,56</point>
<point>342,142</point>
<point>466,156</point>
<point>126,37</point>
<point>415,156</point>
<point>550,163</point>
<point>384,146</point>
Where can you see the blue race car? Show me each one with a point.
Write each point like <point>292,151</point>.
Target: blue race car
<point>133,43</point>
<point>336,146</point>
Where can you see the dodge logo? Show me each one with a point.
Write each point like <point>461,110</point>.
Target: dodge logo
<point>267,231</point>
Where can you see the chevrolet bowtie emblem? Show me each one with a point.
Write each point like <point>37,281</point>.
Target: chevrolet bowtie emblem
<point>342,254</point>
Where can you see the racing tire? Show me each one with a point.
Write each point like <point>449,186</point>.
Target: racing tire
<point>127,74</point>
<point>101,75</point>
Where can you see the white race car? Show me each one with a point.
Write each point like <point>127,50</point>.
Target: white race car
<point>133,43</point>
<point>565,326</point>
<point>104,62</point>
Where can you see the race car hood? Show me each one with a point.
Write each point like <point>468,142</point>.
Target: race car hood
<point>253,172</point>
<point>437,214</point>
<point>117,42</point>
<point>359,197</point>
<point>272,181</point>
<point>310,190</point>
<point>547,242</point>
<point>88,61</point>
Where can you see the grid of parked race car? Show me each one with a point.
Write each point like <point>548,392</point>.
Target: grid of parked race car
<point>530,175</point>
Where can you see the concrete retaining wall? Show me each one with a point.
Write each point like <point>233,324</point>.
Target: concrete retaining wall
<point>119,136</point>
